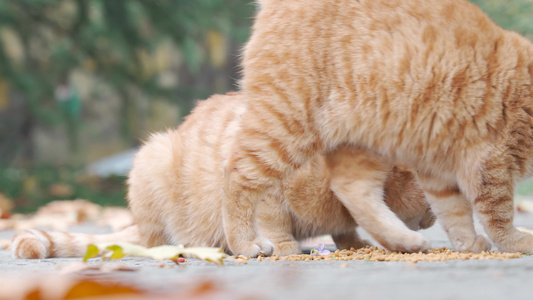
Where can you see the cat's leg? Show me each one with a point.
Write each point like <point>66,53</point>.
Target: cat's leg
<point>274,222</point>
<point>493,204</point>
<point>357,179</point>
<point>261,157</point>
<point>349,240</point>
<point>454,213</point>
<point>241,194</point>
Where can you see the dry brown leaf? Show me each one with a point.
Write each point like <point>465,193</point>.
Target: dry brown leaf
<point>203,288</point>
<point>6,205</point>
<point>4,244</point>
<point>83,209</point>
<point>33,287</point>
<point>86,288</point>
<point>69,287</point>
<point>59,215</point>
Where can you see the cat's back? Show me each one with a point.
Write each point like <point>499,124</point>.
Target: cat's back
<point>175,186</point>
<point>426,76</point>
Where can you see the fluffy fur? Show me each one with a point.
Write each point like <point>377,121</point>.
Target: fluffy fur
<point>434,84</point>
<point>175,195</point>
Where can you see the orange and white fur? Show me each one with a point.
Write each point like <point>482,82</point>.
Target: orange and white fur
<point>434,84</point>
<point>175,194</point>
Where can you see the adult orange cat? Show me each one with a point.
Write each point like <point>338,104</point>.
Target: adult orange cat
<point>434,84</point>
<point>175,195</point>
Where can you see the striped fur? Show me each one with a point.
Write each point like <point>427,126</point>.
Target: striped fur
<point>42,244</point>
<point>175,195</point>
<point>434,84</point>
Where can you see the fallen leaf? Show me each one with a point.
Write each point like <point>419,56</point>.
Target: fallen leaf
<point>69,287</point>
<point>83,210</point>
<point>55,215</point>
<point>84,289</point>
<point>4,244</point>
<point>6,205</point>
<point>92,251</point>
<point>203,288</point>
<point>118,250</point>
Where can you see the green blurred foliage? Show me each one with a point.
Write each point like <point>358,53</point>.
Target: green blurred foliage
<point>515,15</point>
<point>33,187</point>
<point>43,41</point>
<point>117,41</point>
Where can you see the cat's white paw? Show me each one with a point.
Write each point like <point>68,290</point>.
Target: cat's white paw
<point>479,244</point>
<point>412,242</point>
<point>253,249</point>
<point>287,248</point>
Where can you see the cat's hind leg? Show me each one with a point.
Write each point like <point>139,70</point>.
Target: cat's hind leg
<point>274,221</point>
<point>357,179</point>
<point>494,206</point>
<point>454,213</point>
<point>270,146</point>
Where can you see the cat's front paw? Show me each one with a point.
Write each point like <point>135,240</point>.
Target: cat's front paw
<point>287,248</point>
<point>412,243</point>
<point>518,242</point>
<point>479,244</point>
<point>253,249</point>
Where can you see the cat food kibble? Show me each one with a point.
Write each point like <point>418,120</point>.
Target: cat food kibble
<point>380,254</point>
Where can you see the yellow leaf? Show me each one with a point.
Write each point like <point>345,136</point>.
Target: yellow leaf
<point>92,251</point>
<point>119,250</point>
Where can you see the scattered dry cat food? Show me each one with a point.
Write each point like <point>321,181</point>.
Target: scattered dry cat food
<point>379,254</point>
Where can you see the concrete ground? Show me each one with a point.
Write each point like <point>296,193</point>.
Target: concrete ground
<point>473,279</point>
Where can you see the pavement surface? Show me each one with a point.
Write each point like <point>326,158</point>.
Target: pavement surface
<point>471,279</point>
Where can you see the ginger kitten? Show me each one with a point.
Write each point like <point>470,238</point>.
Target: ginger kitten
<point>434,84</point>
<point>175,195</point>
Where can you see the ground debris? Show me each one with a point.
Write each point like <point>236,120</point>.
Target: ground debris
<point>380,254</point>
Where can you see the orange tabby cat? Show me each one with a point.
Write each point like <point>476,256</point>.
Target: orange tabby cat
<point>434,84</point>
<point>175,195</point>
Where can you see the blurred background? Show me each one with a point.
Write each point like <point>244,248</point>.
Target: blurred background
<point>82,83</point>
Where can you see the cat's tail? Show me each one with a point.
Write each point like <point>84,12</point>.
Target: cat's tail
<point>42,244</point>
